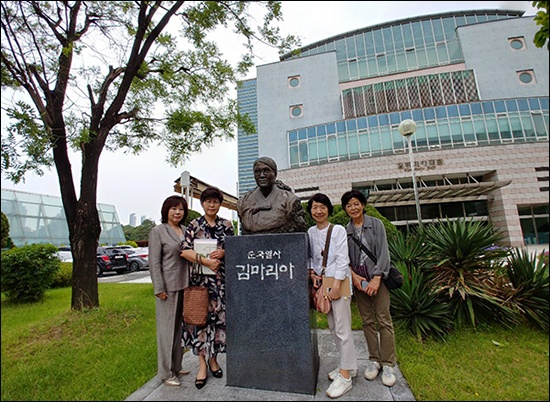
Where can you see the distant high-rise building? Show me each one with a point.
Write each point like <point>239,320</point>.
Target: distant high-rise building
<point>143,219</point>
<point>132,219</point>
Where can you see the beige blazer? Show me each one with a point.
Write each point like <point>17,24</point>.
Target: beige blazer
<point>169,271</point>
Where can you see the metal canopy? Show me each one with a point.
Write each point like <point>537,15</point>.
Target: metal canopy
<point>436,194</point>
<point>197,187</point>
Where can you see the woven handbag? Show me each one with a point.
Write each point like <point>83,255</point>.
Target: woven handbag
<point>195,300</point>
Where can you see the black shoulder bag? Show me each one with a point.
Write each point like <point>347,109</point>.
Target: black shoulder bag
<point>395,278</point>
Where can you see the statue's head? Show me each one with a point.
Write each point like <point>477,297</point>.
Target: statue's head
<point>265,172</point>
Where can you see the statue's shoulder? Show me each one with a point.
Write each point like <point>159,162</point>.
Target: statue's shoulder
<point>245,198</point>
<point>248,194</point>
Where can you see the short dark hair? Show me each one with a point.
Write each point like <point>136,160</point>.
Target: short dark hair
<point>348,195</point>
<point>321,198</point>
<point>211,192</point>
<point>170,202</point>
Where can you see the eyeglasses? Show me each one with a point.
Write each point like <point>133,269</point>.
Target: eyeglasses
<point>265,171</point>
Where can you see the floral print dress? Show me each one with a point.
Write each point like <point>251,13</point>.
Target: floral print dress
<point>210,339</point>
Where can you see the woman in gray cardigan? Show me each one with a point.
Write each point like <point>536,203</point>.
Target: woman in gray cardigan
<point>170,275</point>
<point>371,294</point>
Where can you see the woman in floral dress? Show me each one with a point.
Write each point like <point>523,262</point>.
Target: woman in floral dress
<point>208,341</point>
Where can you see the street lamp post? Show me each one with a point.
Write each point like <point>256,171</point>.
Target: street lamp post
<point>407,129</point>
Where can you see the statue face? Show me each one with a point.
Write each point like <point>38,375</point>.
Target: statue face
<point>264,175</point>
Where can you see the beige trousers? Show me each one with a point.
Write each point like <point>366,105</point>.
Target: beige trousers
<point>169,332</point>
<point>377,325</point>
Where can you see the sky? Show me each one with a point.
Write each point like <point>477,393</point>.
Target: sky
<point>139,184</point>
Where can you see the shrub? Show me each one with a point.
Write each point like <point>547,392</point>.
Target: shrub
<point>7,242</point>
<point>28,271</point>
<point>416,307</point>
<point>543,257</point>
<point>5,230</point>
<point>407,249</point>
<point>63,277</point>
<point>191,215</point>
<point>529,291</point>
<point>464,260</point>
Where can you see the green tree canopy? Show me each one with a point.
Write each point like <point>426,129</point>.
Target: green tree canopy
<point>90,76</point>
<point>138,233</point>
<point>541,18</point>
<point>5,230</point>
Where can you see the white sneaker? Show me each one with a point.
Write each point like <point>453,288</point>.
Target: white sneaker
<point>388,376</point>
<point>334,373</point>
<point>372,370</point>
<point>173,381</point>
<point>339,387</point>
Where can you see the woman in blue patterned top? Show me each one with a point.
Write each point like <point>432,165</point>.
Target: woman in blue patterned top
<point>208,341</point>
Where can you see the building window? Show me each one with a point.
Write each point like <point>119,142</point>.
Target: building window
<point>296,111</point>
<point>534,224</point>
<point>294,82</point>
<point>517,43</point>
<point>526,77</point>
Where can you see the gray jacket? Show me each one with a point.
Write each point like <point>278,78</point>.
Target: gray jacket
<point>169,271</point>
<point>374,238</point>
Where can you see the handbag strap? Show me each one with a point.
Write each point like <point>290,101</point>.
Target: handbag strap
<point>364,248</point>
<point>196,271</point>
<point>327,243</point>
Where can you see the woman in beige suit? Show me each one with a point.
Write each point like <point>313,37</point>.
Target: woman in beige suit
<point>170,275</point>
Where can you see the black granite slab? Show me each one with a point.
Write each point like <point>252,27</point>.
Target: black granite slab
<point>271,334</point>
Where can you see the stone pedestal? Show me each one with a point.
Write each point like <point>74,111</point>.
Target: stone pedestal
<point>271,332</point>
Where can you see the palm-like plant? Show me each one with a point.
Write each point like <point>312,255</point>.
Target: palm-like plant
<point>416,307</point>
<point>529,292</point>
<point>407,249</point>
<point>463,258</point>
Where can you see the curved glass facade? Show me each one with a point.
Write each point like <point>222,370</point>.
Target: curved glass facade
<point>36,218</point>
<point>451,126</point>
<point>392,48</point>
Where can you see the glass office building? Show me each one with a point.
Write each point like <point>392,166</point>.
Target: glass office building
<point>473,82</point>
<point>36,218</point>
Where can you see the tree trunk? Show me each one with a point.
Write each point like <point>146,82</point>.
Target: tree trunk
<point>83,223</point>
<point>84,242</point>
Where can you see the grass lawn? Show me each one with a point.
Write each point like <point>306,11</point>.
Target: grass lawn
<point>51,353</point>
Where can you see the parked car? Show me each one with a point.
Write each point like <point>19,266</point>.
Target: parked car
<point>122,247</point>
<point>64,253</point>
<point>111,259</point>
<point>138,258</point>
<point>105,260</point>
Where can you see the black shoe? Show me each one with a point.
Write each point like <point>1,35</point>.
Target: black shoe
<point>218,373</point>
<point>199,383</point>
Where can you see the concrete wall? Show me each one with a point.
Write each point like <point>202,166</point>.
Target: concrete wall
<point>515,162</point>
<point>487,51</point>
<point>318,92</point>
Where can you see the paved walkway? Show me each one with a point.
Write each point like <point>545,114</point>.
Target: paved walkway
<point>216,389</point>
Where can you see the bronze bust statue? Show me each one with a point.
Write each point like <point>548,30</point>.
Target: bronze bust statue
<point>271,207</point>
